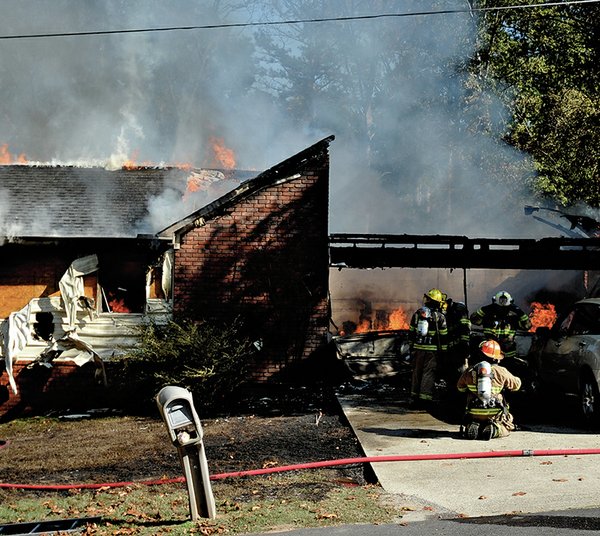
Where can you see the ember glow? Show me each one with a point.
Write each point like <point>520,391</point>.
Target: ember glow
<point>132,163</point>
<point>7,158</point>
<point>117,305</point>
<point>542,315</point>
<point>202,180</point>
<point>222,157</point>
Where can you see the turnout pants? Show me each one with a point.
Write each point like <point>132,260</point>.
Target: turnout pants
<point>423,374</point>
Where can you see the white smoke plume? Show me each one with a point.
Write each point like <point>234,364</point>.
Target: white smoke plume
<point>159,97</point>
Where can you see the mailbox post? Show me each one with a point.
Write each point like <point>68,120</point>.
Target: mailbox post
<point>176,407</point>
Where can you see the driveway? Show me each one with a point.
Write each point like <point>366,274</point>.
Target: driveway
<point>541,468</point>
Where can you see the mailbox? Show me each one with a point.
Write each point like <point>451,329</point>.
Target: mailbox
<point>177,410</point>
<point>176,407</point>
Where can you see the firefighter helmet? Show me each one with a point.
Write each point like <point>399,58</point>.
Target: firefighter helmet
<point>491,349</point>
<point>435,294</point>
<point>502,298</point>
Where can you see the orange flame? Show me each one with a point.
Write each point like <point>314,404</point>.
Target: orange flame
<point>201,180</point>
<point>397,319</point>
<point>7,158</point>
<point>222,156</point>
<point>364,326</point>
<point>542,315</point>
<point>132,163</point>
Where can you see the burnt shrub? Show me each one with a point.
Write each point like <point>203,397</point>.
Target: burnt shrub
<point>209,359</point>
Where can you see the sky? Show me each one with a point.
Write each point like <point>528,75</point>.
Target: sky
<point>166,98</point>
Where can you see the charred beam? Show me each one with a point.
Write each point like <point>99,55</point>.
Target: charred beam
<point>437,251</point>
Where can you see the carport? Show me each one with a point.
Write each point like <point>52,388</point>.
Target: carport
<point>368,351</point>
<point>370,251</point>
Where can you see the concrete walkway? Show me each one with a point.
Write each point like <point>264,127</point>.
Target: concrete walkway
<point>473,487</point>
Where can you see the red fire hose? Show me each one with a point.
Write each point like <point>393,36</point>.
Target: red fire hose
<point>315,465</point>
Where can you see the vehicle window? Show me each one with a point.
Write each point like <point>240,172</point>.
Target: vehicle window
<point>586,320</point>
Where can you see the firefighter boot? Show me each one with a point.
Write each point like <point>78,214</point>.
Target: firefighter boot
<point>489,432</point>
<point>472,430</point>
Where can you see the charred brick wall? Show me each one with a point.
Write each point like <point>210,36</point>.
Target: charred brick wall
<point>41,389</point>
<point>265,260</point>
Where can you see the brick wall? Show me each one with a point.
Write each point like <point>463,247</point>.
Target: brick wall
<point>41,389</point>
<point>264,259</point>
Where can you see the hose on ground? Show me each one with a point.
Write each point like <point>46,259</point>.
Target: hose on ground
<point>316,465</point>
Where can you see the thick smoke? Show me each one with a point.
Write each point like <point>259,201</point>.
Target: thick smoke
<point>160,96</point>
<point>149,97</point>
<point>408,156</point>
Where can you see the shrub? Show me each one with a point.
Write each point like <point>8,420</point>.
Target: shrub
<point>208,359</point>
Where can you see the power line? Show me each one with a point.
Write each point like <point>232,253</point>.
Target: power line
<point>299,21</point>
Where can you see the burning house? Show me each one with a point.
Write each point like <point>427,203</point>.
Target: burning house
<point>89,253</point>
<point>81,267</point>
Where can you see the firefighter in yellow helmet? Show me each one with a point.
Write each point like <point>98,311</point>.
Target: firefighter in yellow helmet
<point>487,413</point>
<point>500,321</point>
<point>428,333</point>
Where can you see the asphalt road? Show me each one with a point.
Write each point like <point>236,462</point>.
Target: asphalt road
<point>565,523</point>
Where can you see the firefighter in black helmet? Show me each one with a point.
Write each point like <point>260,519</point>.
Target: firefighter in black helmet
<point>459,336</point>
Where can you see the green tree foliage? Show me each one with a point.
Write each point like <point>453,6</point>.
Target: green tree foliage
<point>208,359</point>
<point>544,63</point>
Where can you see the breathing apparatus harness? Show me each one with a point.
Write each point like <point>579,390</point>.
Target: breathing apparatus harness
<point>482,377</point>
<point>483,400</point>
<point>425,318</point>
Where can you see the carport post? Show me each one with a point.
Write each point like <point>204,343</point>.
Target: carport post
<point>465,288</point>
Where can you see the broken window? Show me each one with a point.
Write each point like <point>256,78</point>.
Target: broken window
<point>123,285</point>
<point>43,327</point>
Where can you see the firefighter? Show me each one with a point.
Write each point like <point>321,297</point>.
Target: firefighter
<point>428,344</point>
<point>500,321</point>
<point>459,335</point>
<point>487,413</point>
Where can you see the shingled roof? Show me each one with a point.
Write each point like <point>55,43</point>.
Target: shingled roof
<point>70,201</point>
<point>38,201</point>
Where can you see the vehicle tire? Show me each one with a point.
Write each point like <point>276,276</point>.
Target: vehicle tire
<point>589,400</point>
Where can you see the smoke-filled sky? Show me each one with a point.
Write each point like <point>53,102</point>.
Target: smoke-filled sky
<point>164,97</point>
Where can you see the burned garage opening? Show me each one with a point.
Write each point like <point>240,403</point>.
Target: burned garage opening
<point>378,281</point>
<point>122,283</point>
